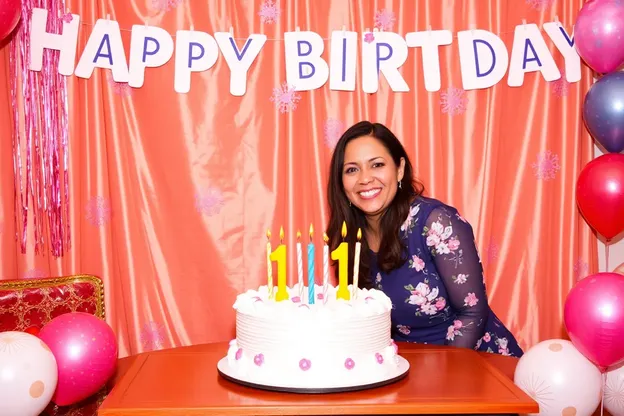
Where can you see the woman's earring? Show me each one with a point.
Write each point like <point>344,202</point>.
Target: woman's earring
<point>400,186</point>
<point>349,203</point>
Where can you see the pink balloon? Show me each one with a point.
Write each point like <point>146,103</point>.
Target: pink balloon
<point>594,318</point>
<point>85,349</point>
<point>10,12</point>
<point>599,34</point>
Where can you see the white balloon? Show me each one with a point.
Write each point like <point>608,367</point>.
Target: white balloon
<point>28,374</point>
<point>614,391</point>
<point>560,379</point>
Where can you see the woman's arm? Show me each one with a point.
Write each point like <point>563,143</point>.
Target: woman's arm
<point>451,242</point>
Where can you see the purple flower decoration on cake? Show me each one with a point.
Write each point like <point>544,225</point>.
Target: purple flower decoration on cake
<point>379,358</point>
<point>67,18</point>
<point>239,354</point>
<point>259,359</point>
<point>369,37</point>
<point>296,299</point>
<point>320,296</point>
<point>349,364</point>
<point>304,364</point>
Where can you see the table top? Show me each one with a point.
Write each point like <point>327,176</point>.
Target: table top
<point>185,382</point>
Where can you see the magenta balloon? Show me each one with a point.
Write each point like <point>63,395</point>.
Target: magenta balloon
<point>594,318</point>
<point>85,349</point>
<point>599,34</point>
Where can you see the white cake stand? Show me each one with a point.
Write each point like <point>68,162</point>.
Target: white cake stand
<point>231,375</point>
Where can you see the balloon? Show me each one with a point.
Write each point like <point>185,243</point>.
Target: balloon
<point>594,318</point>
<point>86,352</point>
<point>28,374</point>
<point>559,379</point>
<point>598,34</point>
<point>10,11</point>
<point>32,330</point>
<point>614,391</point>
<point>603,111</point>
<point>600,194</point>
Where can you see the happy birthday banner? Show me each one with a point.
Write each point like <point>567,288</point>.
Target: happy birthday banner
<point>484,58</point>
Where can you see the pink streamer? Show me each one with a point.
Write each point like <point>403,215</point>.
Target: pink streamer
<point>45,186</point>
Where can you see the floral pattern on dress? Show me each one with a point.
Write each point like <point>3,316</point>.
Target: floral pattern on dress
<point>494,344</point>
<point>446,303</point>
<point>378,281</point>
<point>411,220</point>
<point>425,298</point>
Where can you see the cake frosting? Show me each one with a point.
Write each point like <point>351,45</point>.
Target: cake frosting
<point>332,342</point>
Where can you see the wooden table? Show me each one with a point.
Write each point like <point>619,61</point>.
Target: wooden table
<point>185,382</point>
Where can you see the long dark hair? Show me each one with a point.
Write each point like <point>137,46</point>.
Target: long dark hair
<point>391,250</point>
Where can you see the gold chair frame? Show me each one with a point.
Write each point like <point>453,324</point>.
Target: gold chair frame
<point>22,284</point>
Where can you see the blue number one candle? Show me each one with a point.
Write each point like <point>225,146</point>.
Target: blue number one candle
<point>311,268</point>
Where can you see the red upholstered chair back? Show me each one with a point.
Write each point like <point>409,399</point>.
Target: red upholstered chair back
<point>25,303</point>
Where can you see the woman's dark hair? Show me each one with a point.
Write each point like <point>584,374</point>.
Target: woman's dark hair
<point>391,253</point>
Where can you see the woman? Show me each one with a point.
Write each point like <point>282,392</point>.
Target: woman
<point>417,250</point>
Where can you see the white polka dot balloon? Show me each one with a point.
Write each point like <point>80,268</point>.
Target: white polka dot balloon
<point>560,379</point>
<point>28,374</point>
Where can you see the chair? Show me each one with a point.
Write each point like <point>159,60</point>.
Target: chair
<point>31,303</point>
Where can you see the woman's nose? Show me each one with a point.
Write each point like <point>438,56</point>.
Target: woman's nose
<point>365,177</point>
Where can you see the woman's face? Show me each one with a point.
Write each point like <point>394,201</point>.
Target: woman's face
<point>369,175</point>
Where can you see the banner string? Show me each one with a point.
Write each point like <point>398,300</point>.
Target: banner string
<point>367,30</point>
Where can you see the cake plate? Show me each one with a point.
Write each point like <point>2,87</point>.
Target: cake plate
<point>229,374</point>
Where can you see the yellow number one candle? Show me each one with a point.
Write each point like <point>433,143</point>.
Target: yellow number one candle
<point>279,256</point>
<point>269,265</point>
<point>342,255</point>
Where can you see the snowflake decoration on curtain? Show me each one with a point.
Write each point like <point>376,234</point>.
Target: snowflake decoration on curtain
<point>152,336</point>
<point>560,87</point>
<point>119,88</point>
<point>165,5</point>
<point>269,12</point>
<point>333,129</point>
<point>98,211</point>
<point>540,4</point>
<point>491,251</point>
<point>285,98</point>
<point>580,269</point>
<point>546,166</point>
<point>384,19</point>
<point>36,274</point>
<point>453,101</point>
<point>209,201</point>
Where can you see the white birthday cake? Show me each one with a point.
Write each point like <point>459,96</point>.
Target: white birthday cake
<point>331,343</point>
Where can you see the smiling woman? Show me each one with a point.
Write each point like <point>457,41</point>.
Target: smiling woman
<point>417,250</point>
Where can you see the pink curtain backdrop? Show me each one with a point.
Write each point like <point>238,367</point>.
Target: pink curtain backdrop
<point>171,194</point>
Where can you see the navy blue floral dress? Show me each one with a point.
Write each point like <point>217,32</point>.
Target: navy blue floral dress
<point>438,295</point>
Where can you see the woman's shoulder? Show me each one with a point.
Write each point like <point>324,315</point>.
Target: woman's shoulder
<point>426,205</point>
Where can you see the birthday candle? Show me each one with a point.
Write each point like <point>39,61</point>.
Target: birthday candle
<point>325,266</point>
<point>299,265</point>
<point>311,268</point>
<point>342,255</point>
<point>279,256</point>
<point>356,263</point>
<point>269,264</point>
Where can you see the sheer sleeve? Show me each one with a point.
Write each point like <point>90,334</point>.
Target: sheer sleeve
<point>451,242</point>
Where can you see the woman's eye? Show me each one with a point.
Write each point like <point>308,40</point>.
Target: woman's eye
<point>378,165</point>
<point>350,170</point>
